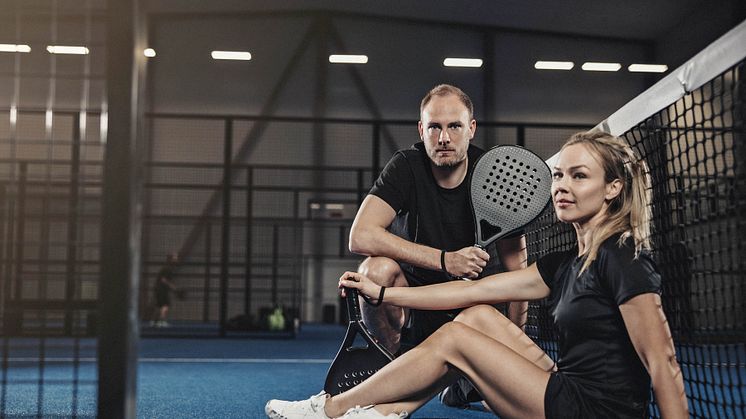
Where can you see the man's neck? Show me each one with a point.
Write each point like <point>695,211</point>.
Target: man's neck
<point>450,177</point>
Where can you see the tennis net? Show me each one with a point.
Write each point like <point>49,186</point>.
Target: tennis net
<point>689,128</point>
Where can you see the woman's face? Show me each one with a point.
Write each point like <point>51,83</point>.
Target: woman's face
<point>579,191</point>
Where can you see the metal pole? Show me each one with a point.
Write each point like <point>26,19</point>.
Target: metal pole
<point>4,236</point>
<point>121,222</point>
<point>375,154</point>
<point>249,234</point>
<point>225,230</point>
<point>20,230</point>
<point>521,135</point>
<point>275,261</point>
<point>72,227</point>
<point>208,269</point>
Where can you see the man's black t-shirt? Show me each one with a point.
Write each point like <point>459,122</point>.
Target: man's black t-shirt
<point>167,273</point>
<point>428,214</point>
<point>595,349</point>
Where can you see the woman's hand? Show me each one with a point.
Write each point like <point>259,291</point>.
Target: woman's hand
<point>360,282</point>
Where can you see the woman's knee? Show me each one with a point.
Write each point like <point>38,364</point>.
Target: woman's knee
<point>382,271</point>
<point>481,315</point>
<point>448,336</point>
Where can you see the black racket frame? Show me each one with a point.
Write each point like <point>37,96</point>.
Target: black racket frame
<point>354,364</point>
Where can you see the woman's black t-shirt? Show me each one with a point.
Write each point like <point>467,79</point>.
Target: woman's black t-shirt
<point>595,349</point>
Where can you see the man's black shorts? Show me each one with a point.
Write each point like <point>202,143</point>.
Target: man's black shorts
<point>422,323</point>
<point>162,297</point>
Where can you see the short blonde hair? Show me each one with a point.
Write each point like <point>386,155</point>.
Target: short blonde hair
<point>445,90</point>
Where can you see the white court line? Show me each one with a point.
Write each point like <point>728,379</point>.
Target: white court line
<point>188,360</point>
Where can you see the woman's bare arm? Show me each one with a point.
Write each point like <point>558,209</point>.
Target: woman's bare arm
<point>525,284</point>
<point>648,329</point>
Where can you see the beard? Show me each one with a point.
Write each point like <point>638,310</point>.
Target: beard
<point>454,160</point>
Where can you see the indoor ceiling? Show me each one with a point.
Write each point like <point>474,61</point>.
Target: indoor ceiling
<point>629,19</point>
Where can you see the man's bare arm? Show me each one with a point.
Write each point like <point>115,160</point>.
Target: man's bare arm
<point>369,237</point>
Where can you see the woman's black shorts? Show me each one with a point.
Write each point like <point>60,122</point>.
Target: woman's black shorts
<point>566,398</point>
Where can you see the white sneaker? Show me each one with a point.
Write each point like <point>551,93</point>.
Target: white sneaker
<point>368,412</point>
<point>311,408</point>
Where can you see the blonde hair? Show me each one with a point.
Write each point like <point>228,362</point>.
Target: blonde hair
<point>629,212</point>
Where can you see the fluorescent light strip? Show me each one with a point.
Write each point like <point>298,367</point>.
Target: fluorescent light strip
<point>149,52</point>
<point>554,65</point>
<point>67,49</point>
<point>462,62</point>
<point>14,48</point>
<point>231,55</point>
<point>594,66</point>
<point>348,59</point>
<point>647,68</point>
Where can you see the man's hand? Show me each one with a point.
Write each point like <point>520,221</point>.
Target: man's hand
<point>467,262</point>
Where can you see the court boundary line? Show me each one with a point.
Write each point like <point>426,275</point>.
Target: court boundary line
<point>181,360</point>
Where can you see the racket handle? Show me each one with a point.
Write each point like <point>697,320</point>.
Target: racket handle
<point>353,305</point>
<point>463,278</point>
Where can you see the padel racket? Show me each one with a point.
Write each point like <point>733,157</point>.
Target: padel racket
<point>353,364</point>
<point>509,187</point>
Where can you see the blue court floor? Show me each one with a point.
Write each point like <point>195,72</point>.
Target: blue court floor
<point>184,378</point>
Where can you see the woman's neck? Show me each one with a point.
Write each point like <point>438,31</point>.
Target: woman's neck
<point>585,230</point>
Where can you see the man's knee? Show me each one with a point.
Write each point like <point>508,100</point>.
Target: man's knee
<point>383,271</point>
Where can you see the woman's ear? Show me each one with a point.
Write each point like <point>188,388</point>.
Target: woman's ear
<point>613,189</point>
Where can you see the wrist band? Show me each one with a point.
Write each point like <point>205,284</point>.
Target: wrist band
<point>443,261</point>
<point>380,298</point>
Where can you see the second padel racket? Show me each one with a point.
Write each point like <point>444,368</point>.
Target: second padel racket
<point>353,364</point>
<point>509,188</point>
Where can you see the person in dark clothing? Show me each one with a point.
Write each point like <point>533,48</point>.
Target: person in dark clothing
<point>416,228</point>
<point>416,224</point>
<point>603,294</point>
<point>164,285</point>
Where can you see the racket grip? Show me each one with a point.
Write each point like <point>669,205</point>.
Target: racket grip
<point>353,305</point>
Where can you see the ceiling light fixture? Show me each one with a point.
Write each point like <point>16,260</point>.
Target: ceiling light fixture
<point>149,52</point>
<point>595,66</point>
<point>67,49</point>
<point>14,48</point>
<point>348,59</point>
<point>462,62</point>
<point>231,55</point>
<point>647,68</point>
<point>554,65</point>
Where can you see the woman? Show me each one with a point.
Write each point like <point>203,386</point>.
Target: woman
<point>603,295</point>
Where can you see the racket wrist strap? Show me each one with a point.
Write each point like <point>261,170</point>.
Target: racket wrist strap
<point>443,261</point>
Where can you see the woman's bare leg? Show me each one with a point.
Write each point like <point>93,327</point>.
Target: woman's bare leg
<point>486,319</point>
<point>511,384</point>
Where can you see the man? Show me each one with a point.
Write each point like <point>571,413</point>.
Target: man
<point>416,225</point>
<point>163,287</point>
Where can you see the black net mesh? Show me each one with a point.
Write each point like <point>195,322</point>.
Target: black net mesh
<point>695,153</point>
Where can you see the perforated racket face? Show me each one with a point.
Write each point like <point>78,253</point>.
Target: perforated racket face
<point>509,188</point>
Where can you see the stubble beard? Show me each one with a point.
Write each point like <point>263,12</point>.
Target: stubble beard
<point>449,162</point>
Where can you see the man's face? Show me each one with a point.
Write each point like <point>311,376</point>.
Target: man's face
<point>446,129</point>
